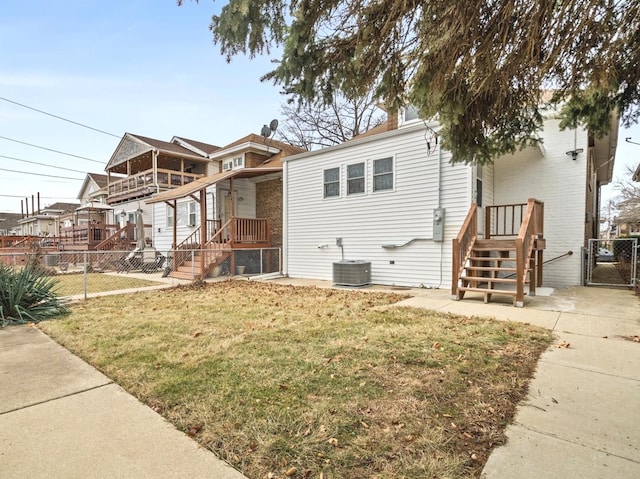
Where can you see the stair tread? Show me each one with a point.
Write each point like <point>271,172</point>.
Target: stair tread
<point>492,258</point>
<point>484,279</point>
<point>491,268</point>
<point>488,291</point>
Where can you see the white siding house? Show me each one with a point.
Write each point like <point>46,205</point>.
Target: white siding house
<point>423,179</point>
<point>332,193</point>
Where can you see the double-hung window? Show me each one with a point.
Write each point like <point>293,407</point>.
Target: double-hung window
<point>187,214</point>
<point>355,178</point>
<point>383,174</point>
<point>331,182</point>
<point>170,212</point>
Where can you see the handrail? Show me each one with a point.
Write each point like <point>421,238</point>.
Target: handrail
<point>530,230</point>
<point>462,245</point>
<point>118,240</point>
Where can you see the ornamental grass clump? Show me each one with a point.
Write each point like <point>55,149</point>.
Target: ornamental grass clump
<point>28,295</point>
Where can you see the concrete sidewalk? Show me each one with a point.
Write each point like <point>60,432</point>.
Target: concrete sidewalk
<point>60,418</point>
<point>581,419</point>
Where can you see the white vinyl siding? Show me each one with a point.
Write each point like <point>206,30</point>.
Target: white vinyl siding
<point>367,221</point>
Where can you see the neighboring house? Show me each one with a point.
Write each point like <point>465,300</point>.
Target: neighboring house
<point>93,221</point>
<point>143,167</point>
<point>9,223</point>
<point>46,221</point>
<point>237,206</point>
<point>392,198</point>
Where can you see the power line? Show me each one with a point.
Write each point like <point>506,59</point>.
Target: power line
<point>42,197</point>
<point>41,174</point>
<point>60,118</point>
<point>49,149</point>
<point>42,164</point>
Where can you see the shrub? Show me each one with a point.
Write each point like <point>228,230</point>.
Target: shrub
<point>28,295</point>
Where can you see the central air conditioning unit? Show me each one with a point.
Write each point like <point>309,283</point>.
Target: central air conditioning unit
<point>352,273</point>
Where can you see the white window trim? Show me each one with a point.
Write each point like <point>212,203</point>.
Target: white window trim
<point>401,117</point>
<point>364,178</point>
<point>324,197</point>
<point>169,216</point>
<point>233,163</point>
<point>393,173</point>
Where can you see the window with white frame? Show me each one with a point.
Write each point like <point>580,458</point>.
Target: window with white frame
<point>234,163</point>
<point>383,174</point>
<point>187,214</point>
<point>355,178</point>
<point>169,223</point>
<point>193,213</point>
<point>410,113</point>
<point>331,182</point>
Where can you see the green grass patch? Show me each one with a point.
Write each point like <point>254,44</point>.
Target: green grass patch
<point>331,382</point>
<point>73,283</point>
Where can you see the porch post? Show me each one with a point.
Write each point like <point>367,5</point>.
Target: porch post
<point>154,166</point>
<point>203,230</point>
<point>175,233</point>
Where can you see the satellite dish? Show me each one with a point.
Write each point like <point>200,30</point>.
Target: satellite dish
<point>273,125</point>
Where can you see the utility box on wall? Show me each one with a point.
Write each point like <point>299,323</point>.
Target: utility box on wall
<point>438,224</point>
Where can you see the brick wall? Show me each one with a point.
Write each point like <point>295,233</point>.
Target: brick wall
<point>269,205</point>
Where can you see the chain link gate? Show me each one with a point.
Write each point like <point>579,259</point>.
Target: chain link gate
<point>612,262</point>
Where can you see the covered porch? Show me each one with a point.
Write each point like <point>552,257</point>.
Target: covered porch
<point>143,166</point>
<point>213,240</point>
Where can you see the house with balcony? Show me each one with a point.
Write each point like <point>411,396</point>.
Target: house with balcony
<point>140,168</point>
<point>230,217</point>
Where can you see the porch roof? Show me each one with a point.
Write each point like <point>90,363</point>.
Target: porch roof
<point>203,183</point>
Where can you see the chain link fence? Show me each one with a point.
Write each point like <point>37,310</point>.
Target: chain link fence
<point>612,262</point>
<point>81,274</point>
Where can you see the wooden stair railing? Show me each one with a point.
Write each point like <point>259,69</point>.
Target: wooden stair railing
<point>120,240</point>
<point>461,250</point>
<point>192,260</point>
<point>495,266</point>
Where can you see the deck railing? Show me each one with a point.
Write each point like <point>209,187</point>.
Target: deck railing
<point>144,183</point>
<point>88,235</point>
<point>236,233</point>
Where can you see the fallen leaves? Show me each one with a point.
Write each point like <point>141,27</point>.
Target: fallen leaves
<point>563,345</point>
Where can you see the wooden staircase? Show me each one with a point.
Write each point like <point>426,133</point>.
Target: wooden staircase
<point>507,259</point>
<point>192,268</point>
<point>204,249</point>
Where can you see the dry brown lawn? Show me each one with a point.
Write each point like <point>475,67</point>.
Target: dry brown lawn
<point>304,382</point>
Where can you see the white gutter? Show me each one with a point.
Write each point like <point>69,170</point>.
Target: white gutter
<point>285,218</point>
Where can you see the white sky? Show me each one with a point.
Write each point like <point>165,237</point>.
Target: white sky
<point>140,66</point>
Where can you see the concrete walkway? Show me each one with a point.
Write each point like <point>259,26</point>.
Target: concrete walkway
<point>60,418</point>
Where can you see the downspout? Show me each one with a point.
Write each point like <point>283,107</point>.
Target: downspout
<point>284,263</point>
<point>154,166</point>
<point>439,206</point>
